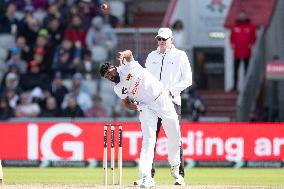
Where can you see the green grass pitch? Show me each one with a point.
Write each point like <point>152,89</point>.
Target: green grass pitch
<point>224,176</point>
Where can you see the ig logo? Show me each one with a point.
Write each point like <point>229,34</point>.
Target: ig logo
<point>45,143</point>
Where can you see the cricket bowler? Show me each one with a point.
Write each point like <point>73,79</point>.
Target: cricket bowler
<point>139,90</point>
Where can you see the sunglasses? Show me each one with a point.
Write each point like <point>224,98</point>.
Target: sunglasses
<point>162,39</point>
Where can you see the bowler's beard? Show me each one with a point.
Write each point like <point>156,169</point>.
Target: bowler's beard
<point>116,78</point>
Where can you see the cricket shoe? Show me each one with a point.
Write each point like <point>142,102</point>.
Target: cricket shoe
<point>138,182</point>
<point>179,180</point>
<point>147,182</point>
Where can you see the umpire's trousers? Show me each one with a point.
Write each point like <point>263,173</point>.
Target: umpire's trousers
<point>159,123</point>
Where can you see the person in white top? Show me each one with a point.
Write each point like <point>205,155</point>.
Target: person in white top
<point>179,35</point>
<point>171,67</point>
<point>139,90</point>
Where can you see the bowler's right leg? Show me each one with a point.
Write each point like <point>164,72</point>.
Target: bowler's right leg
<point>148,126</point>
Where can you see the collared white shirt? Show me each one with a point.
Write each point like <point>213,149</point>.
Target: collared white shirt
<point>172,68</point>
<point>137,83</point>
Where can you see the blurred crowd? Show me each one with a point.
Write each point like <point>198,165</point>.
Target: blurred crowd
<point>50,54</point>
<point>43,44</point>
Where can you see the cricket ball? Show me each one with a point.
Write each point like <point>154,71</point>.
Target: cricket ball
<point>104,6</point>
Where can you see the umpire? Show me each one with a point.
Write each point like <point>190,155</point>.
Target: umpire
<point>170,66</point>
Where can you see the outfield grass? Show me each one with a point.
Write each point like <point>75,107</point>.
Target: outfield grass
<point>216,176</point>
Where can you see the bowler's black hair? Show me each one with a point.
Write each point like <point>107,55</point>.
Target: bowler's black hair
<point>104,68</point>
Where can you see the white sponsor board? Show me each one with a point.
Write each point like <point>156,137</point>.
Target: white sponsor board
<point>203,20</point>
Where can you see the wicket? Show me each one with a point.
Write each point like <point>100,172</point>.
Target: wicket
<point>112,153</point>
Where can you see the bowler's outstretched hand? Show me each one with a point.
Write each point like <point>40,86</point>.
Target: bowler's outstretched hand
<point>127,55</point>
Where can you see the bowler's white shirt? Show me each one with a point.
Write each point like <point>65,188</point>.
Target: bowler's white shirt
<point>137,83</point>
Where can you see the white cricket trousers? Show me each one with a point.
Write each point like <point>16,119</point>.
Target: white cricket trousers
<point>164,108</point>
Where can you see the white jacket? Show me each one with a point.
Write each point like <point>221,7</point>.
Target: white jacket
<point>171,68</point>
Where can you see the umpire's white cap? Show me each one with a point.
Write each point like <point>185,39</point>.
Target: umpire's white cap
<point>165,33</point>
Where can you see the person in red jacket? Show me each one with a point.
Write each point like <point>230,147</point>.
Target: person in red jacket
<point>243,37</point>
<point>75,31</point>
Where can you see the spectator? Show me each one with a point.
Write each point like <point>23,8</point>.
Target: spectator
<point>62,7</point>
<point>88,67</point>
<point>78,82</point>
<point>51,109</point>
<point>17,60</point>
<point>64,65</point>
<point>243,37</point>
<point>38,56</point>
<point>65,45</point>
<point>29,28</point>
<point>195,104</point>
<point>12,68</point>
<point>73,109</point>
<point>73,10</point>
<point>57,89</point>
<point>97,110</point>
<point>34,78</point>
<point>83,99</point>
<point>88,10</point>
<point>11,82</point>
<point>8,22</point>
<point>56,32</point>
<point>42,39</point>
<point>43,49</point>
<point>6,112</point>
<point>26,108</point>
<point>102,35</point>
<point>20,4</point>
<point>54,13</point>
<point>21,43</point>
<point>75,32</point>
<point>179,35</point>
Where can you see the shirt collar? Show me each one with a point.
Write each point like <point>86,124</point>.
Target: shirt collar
<point>167,50</point>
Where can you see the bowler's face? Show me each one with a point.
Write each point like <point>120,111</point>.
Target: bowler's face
<point>111,73</point>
